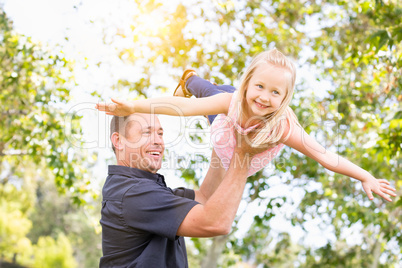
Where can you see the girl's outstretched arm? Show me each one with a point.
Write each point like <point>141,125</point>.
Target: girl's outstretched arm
<point>308,146</point>
<point>176,106</point>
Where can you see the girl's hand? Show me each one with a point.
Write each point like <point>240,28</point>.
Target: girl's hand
<point>380,187</point>
<point>118,107</point>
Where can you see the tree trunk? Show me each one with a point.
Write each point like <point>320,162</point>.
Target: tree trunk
<point>214,251</point>
<point>376,252</point>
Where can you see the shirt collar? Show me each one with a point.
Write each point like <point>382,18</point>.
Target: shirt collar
<point>135,172</point>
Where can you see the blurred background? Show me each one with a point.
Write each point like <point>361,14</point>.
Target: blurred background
<point>59,58</point>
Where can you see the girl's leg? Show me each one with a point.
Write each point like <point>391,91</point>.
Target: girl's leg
<point>202,88</point>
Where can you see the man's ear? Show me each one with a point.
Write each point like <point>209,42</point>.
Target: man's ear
<point>116,140</point>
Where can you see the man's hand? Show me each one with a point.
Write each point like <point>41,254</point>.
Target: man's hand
<point>244,144</point>
<point>118,107</point>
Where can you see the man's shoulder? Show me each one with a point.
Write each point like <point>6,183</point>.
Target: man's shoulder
<point>117,186</point>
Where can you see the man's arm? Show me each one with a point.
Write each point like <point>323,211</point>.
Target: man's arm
<point>211,181</point>
<point>216,215</point>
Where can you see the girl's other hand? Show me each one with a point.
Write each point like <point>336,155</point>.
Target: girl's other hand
<point>117,107</point>
<point>380,187</point>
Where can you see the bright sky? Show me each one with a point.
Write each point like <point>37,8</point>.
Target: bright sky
<point>50,21</point>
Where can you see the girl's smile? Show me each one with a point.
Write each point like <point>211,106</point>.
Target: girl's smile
<point>259,105</point>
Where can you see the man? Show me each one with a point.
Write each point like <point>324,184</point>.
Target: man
<point>143,221</point>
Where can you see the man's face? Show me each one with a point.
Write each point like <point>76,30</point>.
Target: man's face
<point>143,142</point>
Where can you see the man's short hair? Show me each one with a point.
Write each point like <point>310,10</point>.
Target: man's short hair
<point>118,125</point>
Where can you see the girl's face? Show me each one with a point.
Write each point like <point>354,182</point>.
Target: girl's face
<point>266,89</point>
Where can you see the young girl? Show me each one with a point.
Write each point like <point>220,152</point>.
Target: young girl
<point>260,105</point>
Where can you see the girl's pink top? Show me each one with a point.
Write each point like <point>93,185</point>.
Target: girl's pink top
<point>224,140</point>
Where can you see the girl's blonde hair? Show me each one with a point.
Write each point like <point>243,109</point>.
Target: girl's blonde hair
<point>274,124</point>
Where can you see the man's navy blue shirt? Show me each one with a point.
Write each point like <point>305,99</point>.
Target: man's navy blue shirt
<point>140,218</point>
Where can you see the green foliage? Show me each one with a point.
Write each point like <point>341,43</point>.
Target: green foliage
<point>35,149</point>
<point>50,253</point>
<point>34,127</point>
<point>77,224</point>
<point>14,222</point>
